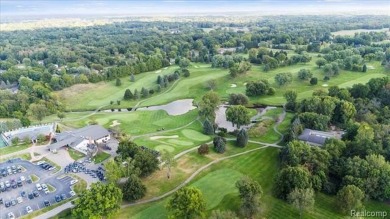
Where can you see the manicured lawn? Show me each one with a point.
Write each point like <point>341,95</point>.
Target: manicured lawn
<point>217,186</point>
<point>100,157</point>
<point>75,155</point>
<point>133,123</point>
<point>12,149</point>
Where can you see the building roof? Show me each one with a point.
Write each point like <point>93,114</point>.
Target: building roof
<point>318,137</point>
<point>31,132</point>
<point>75,137</point>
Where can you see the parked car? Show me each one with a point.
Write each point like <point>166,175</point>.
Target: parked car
<point>63,196</point>
<point>72,193</point>
<point>11,215</point>
<point>29,209</point>
<point>73,182</point>
<point>58,198</point>
<point>19,199</point>
<point>46,203</point>
<point>39,187</point>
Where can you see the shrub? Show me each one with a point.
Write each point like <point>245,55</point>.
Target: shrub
<point>203,149</point>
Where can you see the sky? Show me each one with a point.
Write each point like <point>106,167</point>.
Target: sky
<point>12,8</point>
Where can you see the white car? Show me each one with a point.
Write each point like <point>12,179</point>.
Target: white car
<point>39,187</point>
<point>72,193</point>
<point>40,162</point>
<point>22,178</point>
<point>44,186</point>
<point>19,199</point>
<point>29,209</point>
<point>73,182</point>
<point>11,215</point>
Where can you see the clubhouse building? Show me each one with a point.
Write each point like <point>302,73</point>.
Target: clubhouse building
<point>83,140</point>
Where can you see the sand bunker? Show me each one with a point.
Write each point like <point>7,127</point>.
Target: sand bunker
<point>233,85</point>
<point>325,85</point>
<point>160,137</point>
<point>370,67</point>
<point>115,123</point>
<point>157,71</point>
<point>245,84</point>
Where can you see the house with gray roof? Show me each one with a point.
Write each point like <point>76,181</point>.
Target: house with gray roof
<point>318,138</point>
<point>31,132</point>
<point>83,140</point>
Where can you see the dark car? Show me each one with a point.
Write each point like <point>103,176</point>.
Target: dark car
<point>7,204</point>
<point>14,202</point>
<point>19,183</point>
<point>36,193</point>
<point>1,201</point>
<point>23,194</point>
<point>63,196</point>
<point>58,198</point>
<point>31,196</point>
<point>46,203</point>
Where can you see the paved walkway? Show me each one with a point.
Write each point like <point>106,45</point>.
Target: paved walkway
<point>55,211</point>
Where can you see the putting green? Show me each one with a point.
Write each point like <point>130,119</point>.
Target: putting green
<point>180,142</point>
<point>162,147</point>
<point>194,135</point>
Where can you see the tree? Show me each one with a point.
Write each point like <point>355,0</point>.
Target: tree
<point>144,92</point>
<point>159,79</point>
<point>242,138</point>
<point>136,94</point>
<point>320,62</point>
<point>208,105</point>
<point>304,74</point>
<point>118,82</point>
<point>113,171</point>
<point>203,149</point>
<point>101,200</point>
<point>219,144</point>
<point>238,115</point>
<point>291,98</point>
<point>187,203</point>
<point>38,111</point>
<point>132,78</point>
<point>313,81</point>
<point>184,63</point>
<point>350,198</point>
<point>61,115</point>
<point>208,128</point>
<point>290,178</point>
<point>302,199</point>
<point>238,99</point>
<point>128,95</point>
<point>257,88</point>
<point>364,68</point>
<point>168,161</point>
<point>250,193</point>
<point>133,189</point>
<point>186,72</point>
<point>211,84</point>
<point>283,78</point>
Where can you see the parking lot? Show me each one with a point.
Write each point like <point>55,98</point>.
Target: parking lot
<point>17,191</point>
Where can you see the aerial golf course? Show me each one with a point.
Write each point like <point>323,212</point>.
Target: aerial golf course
<point>182,134</point>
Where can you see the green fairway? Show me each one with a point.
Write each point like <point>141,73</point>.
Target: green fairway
<point>217,186</point>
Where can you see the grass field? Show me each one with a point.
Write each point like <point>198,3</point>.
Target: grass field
<point>100,157</point>
<point>12,149</point>
<point>92,96</point>
<point>75,155</point>
<point>217,186</point>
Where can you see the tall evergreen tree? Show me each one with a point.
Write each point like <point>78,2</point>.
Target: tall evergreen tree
<point>242,138</point>
<point>132,78</point>
<point>144,92</point>
<point>208,128</point>
<point>128,95</point>
<point>159,79</point>
<point>136,94</point>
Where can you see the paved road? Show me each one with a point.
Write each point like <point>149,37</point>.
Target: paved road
<point>55,211</point>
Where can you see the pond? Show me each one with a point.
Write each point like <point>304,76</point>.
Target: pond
<point>174,108</point>
<point>220,117</point>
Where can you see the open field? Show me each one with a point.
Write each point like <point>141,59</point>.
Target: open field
<point>352,32</point>
<point>92,96</point>
<point>217,185</point>
<point>100,157</point>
